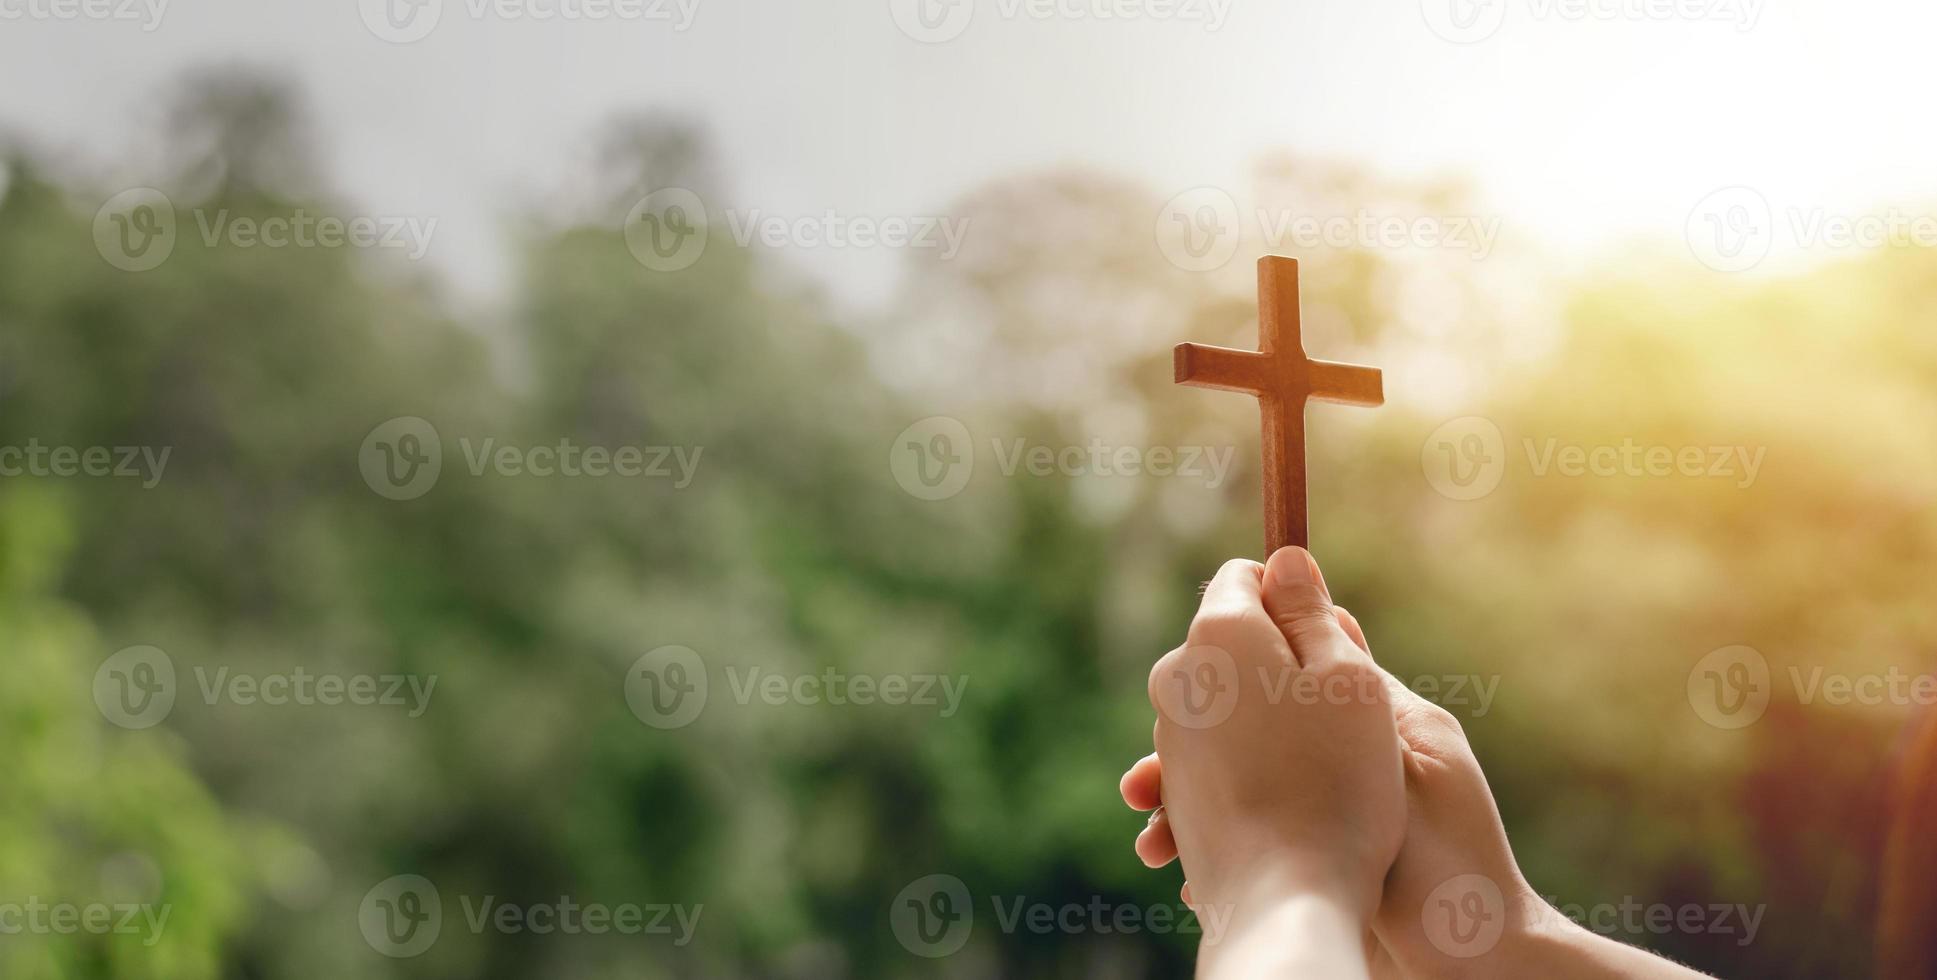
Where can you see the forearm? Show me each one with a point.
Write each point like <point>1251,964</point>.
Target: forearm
<point>1528,938</point>
<point>1564,951</point>
<point>1540,942</point>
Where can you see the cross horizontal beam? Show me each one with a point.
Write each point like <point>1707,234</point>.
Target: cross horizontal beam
<point>1257,373</point>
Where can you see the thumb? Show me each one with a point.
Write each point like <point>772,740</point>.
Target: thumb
<point>1297,600</point>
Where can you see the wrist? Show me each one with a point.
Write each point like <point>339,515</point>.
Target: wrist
<point>1265,876</point>
<point>1282,918</point>
<point>1535,935</point>
<point>1470,927</point>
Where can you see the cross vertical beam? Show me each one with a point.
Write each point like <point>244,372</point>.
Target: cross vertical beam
<point>1283,378</point>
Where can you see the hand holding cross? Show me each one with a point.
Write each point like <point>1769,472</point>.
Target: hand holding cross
<point>1283,378</point>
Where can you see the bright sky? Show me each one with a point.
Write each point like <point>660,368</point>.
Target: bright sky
<point>1584,122</point>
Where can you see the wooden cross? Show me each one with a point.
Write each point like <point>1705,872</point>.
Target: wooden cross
<point>1283,378</point>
